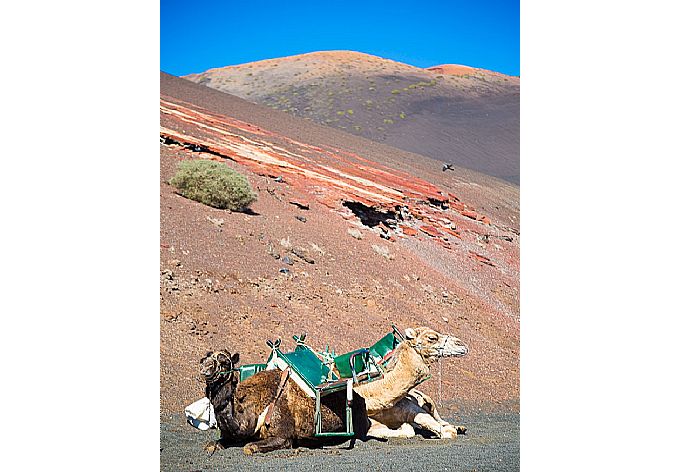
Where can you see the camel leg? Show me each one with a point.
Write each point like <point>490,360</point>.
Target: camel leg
<point>425,421</point>
<point>381,431</point>
<point>425,401</point>
<point>212,447</point>
<point>266,445</point>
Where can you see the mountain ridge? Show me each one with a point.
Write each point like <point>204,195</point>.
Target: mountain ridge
<point>458,114</point>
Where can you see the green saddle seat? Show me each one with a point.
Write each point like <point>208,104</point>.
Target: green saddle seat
<point>248,370</point>
<point>307,364</point>
<point>384,347</point>
<point>361,359</point>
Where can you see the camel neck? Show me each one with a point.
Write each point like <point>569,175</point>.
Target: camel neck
<point>405,371</point>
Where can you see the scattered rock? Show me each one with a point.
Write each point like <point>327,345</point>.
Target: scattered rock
<point>278,179</point>
<point>301,204</point>
<point>355,233</point>
<point>431,231</point>
<point>175,263</point>
<point>482,259</point>
<point>470,214</point>
<point>317,249</point>
<point>382,251</point>
<point>301,218</point>
<point>216,221</point>
<point>506,238</point>
<point>302,254</point>
<point>484,238</point>
<point>409,231</point>
<point>287,260</point>
<point>273,252</point>
<point>284,270</point>
<point>286,242</point>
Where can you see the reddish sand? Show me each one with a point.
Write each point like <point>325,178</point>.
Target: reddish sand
<point>453,69</point>
<point>451,260</point>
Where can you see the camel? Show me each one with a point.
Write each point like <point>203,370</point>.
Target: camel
<point>393,404</point>
<point>270,411</point>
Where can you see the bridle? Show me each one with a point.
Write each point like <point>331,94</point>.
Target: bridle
<point>218,375</point>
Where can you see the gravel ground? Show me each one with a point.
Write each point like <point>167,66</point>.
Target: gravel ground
<point>492,443</point>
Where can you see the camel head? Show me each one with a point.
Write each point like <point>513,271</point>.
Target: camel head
<point>216,364</point>
<point>432,345</point>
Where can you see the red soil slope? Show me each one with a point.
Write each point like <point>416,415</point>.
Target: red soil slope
<point>368,236</point>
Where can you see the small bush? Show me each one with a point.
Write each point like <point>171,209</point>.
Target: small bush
<point>213,183</point>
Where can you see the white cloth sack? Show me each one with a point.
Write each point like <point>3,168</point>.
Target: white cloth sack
<point>200,414</point>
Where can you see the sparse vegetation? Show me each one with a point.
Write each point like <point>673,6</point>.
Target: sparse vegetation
<point>214,184</point>
<point>395,91</point>
<point>402,115</point>
<point>388,121</point>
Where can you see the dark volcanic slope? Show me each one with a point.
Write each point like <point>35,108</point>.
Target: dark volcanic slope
<point>457,114</point>
<point>450,259</point>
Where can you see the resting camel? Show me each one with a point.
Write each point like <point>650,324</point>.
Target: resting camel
<point>267,413</point>
<point>393,404</point>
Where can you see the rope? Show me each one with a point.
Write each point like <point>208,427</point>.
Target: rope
<point>440,385</point>
<point>439,382</point>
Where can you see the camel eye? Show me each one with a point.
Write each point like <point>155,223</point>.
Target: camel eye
<point>433,338</point>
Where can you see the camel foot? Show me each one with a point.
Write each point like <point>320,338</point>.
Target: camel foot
<point>449,432</point>
<point>462,430</point>
<point>250,449</point>
<point>380,431</point>
<point>212,447</point>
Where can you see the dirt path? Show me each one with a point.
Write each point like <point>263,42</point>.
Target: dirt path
<point>492,444</point>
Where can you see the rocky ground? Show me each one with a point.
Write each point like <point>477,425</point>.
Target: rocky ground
<point>491,443</point>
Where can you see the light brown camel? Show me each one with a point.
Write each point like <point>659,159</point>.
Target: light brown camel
<point>394,406</point>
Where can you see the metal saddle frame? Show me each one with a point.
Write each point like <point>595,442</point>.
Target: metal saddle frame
<point>322,373</point>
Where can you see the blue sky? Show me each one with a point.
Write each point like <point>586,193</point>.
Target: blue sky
<point>196,36</point>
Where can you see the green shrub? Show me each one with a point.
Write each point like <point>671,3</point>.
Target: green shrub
<point>213,183</point>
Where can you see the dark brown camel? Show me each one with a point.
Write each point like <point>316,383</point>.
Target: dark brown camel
<point>240,409</point>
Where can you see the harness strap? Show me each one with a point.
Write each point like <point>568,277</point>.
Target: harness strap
<point>261,421</point>
<point>281,386</point>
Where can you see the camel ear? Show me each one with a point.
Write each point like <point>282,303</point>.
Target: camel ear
<point>410,333</point>
<point>235,358</point>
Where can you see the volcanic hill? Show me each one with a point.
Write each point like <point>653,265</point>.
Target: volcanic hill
<point>452,113</point>
<point>347,237</point>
